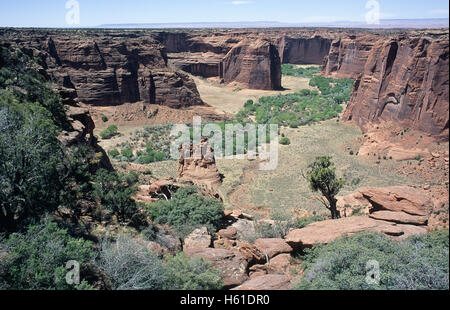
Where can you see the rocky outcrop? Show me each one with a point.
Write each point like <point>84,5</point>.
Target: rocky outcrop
<point>404,80</point>
<point>197,164</point>
<point>231,264</point>
<point>198,239</point>
<point>272,246</point>
<point>330,230</point>
<point>253,64</point>
<point>110,67</point>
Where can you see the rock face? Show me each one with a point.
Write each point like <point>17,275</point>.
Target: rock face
<point>399,199</point>
<point>231,264</point>
<point>404,80</point>
<point>110,67</point>
<point>198,239</point>
<point>254,64</point>
<point>312,50</point>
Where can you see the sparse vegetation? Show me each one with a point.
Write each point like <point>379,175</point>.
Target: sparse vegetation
<point>419,263</point>
<point>109,132</point>
<point>292,70</point>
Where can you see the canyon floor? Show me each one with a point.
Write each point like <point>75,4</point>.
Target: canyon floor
<point>363,160</point>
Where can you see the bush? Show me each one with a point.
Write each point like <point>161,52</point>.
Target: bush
<point>187,211</point>
<point>113,153</point>
<point>104,118</point>
<point>186,273</point>
<point>419,263</point>
<point>109,132</point>
<point>113,194</point>
<point>285,141</point>
<point>36,260</point>
<point>129,265</point>
<point>305,221</point>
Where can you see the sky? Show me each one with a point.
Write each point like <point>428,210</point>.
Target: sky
<point>53,13</point>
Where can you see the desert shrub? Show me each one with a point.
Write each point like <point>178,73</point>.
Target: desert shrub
<point>113,153</point>
<point>109,132</point>
<point>36,259</point>
<point>104,118</point>
<point>308,72</point>
<point>186,211</point>
<point>419,263</point>
<point>114,195</point>
<point>186,273</point>
<point>130,265</point>
<point>285,141</point>
<point>248,104</point>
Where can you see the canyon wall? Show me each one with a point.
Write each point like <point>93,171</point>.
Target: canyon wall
<point>404,80</point>
<point>110,68</point>
<point>304,50</point>
<point>255,64</point>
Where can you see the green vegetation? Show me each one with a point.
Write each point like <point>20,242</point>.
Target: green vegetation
<point>186,211</point>
<point>146,271</point>
<point>109,132</point>
<point>114,192</point>
<point>36,260</point>
<point>321,176</point>
<point>419,263</point>
<point>285,141</point>
<point>307,72</point>
<point>302,108</point>
<point>104,118</point>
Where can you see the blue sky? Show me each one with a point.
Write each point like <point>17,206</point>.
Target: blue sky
<point>52,13</point>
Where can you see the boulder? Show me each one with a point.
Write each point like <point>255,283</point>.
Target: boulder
<point>399,199</point>
<point>229,233</point>
<point>231,264</point>
<point>245,228</point>
<point>280,262</point>
<point>272,246</point>
<point>270,282</point>
<point>330,230</point>
<point>399,217</point>
<point>198,239</point>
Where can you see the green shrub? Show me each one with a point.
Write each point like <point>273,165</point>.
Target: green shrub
<point>186,273</point>
<point>305,221</point>
<point>113,153</point>
<point>186,211</point>
<point>419,263</point>
<point>36,260</point>
<point>285,141</point>
<point>109,132</point>
<point>113,194</point>
<point>104,118</point>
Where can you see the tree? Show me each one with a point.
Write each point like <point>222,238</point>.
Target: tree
<point>36,260</point>
<point>321,175</point>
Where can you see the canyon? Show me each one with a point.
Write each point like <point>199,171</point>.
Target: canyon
<point>400,76</point>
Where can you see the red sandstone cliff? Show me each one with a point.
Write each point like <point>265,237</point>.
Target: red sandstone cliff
<point>404,80</point>
<point>255,64</point>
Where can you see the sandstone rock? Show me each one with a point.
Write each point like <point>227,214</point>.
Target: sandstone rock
<point>168,241</point>
<point>198,239</point>
<point>229,233</point>
<point>330,230</point>
<point>255,64</point>
<point>280,262</point>
<point>245,228</point>
<point>399,199</point>
<point>266,282</point>
<point>399,217</point>
<point>231,264</point>
<point>272,247</point>
<point>197,164</point>
<point>251,253</point>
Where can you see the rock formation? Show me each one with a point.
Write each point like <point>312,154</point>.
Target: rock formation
<point>254,64</point>
<point>197,164</point>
